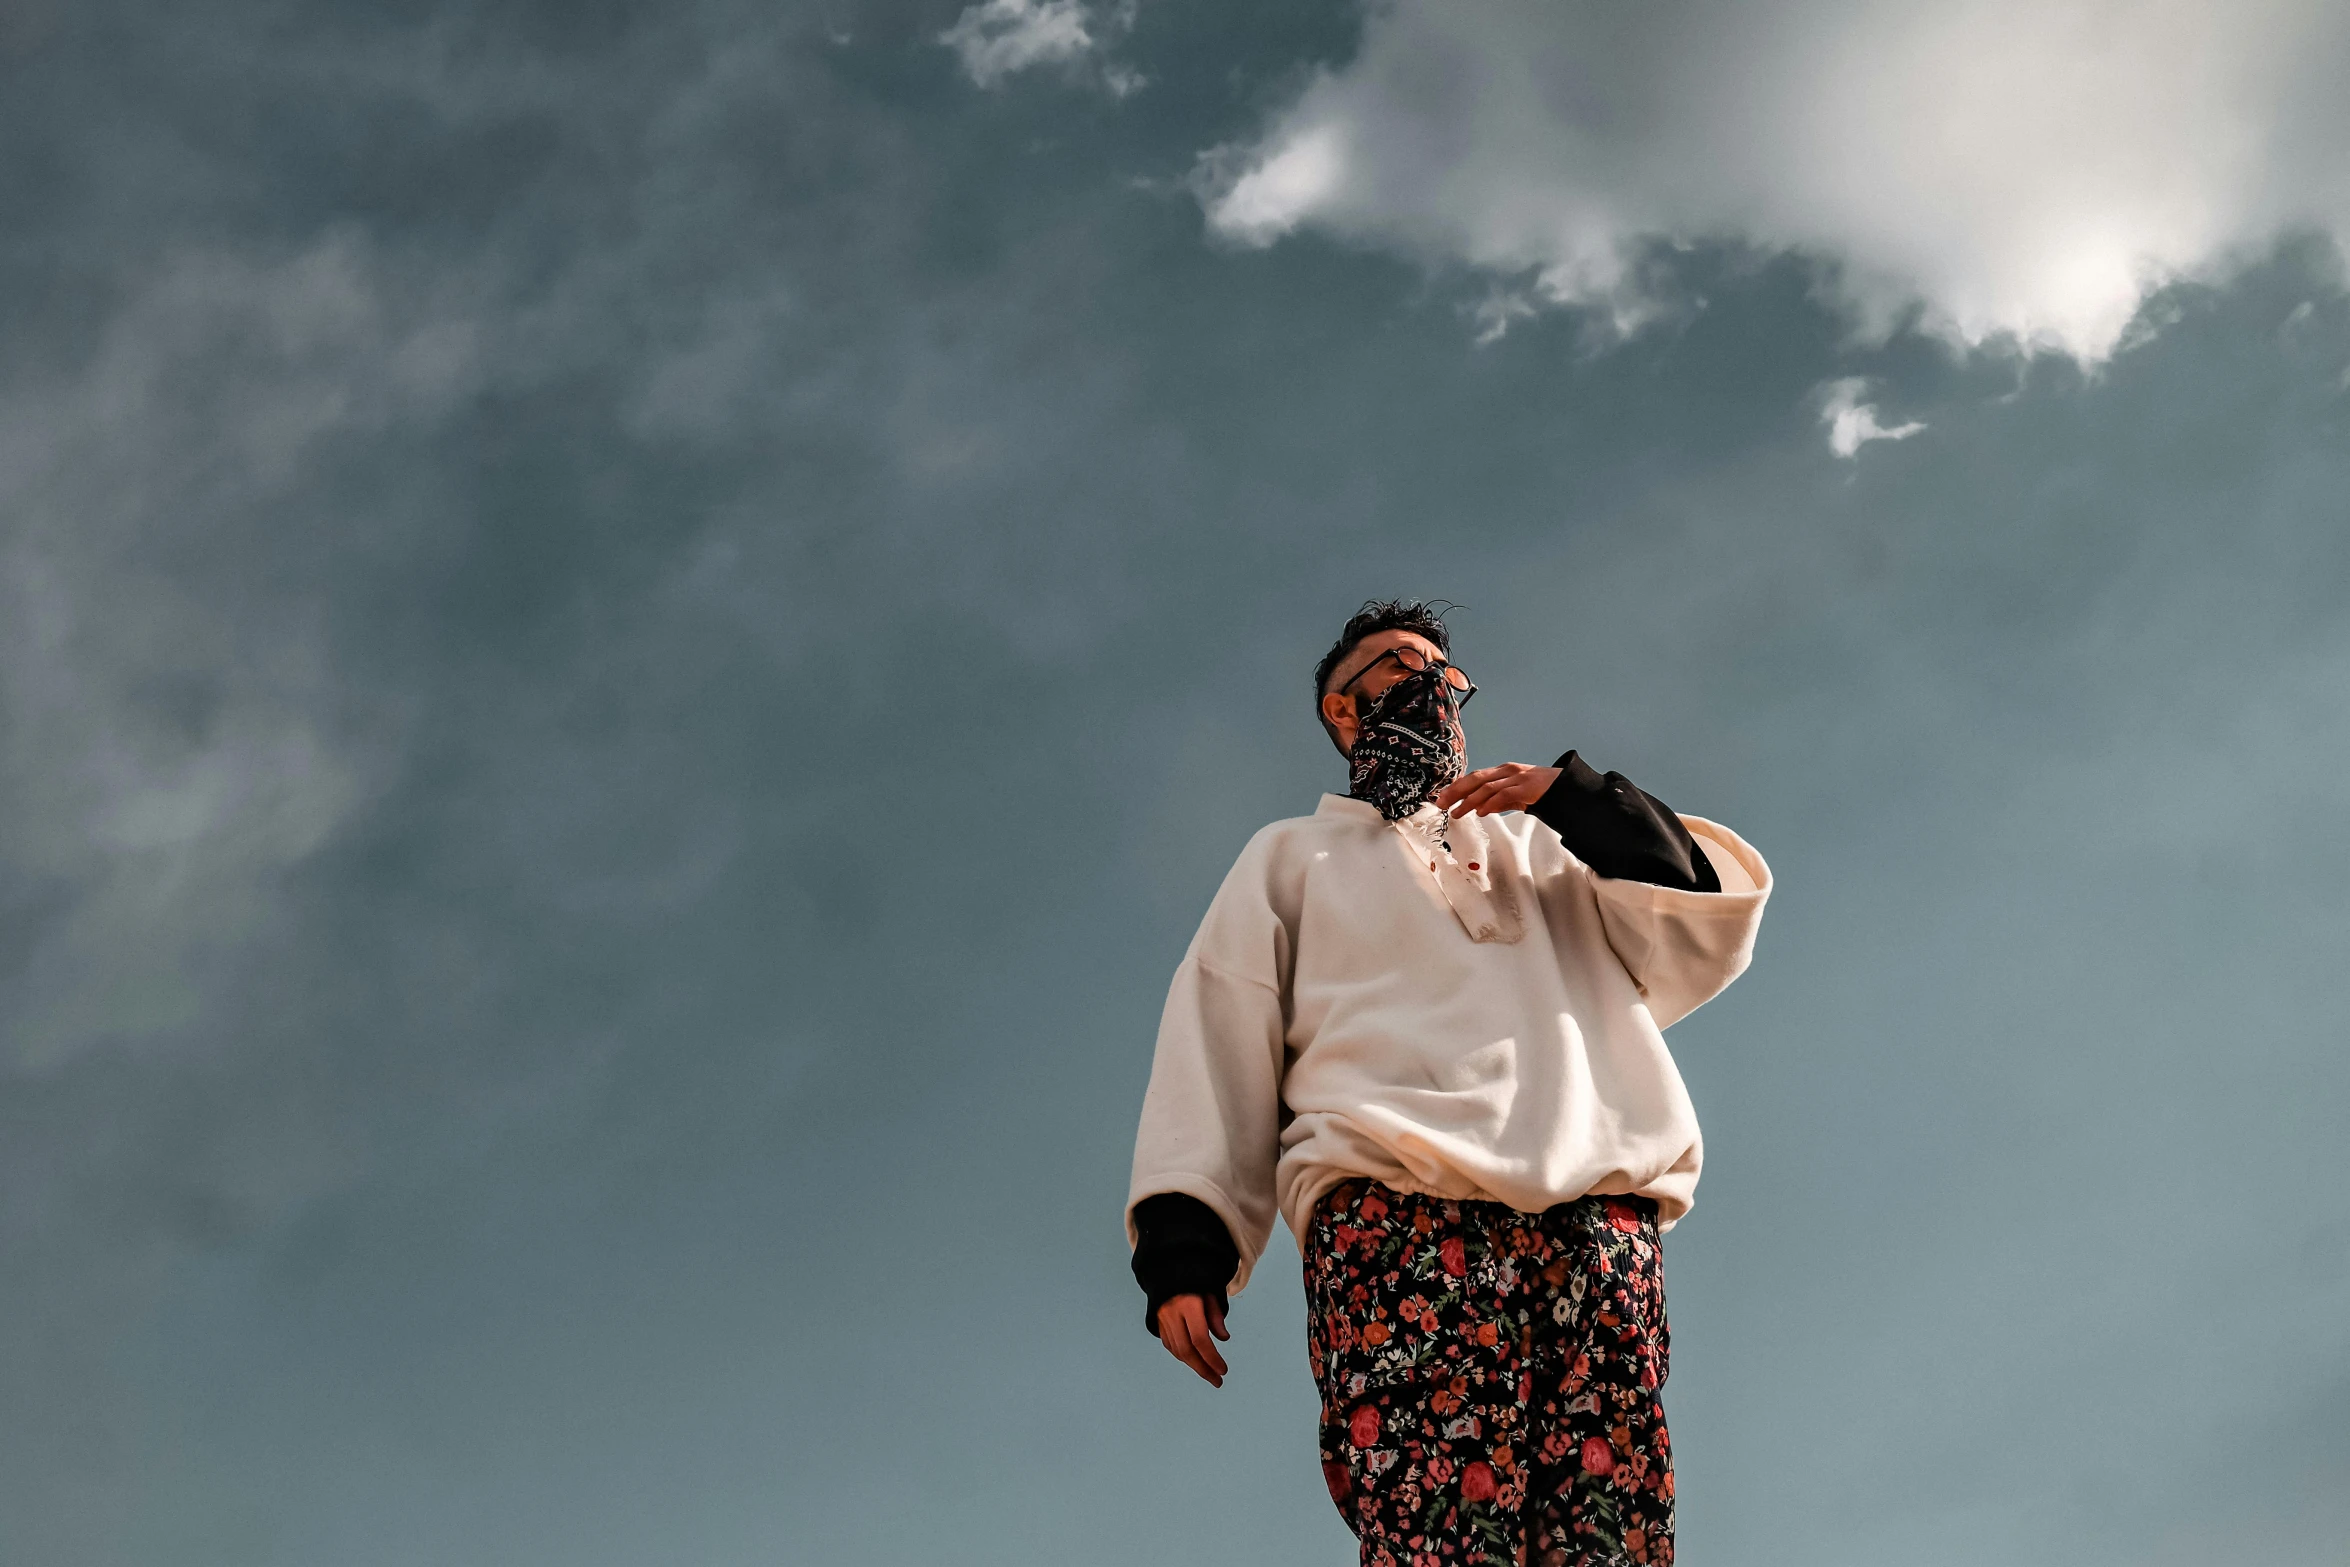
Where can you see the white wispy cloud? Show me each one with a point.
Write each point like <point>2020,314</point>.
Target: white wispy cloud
<point>2024,167</point>
<point>997,38</point>
<point>1851,423</point>
<point>164,749</point>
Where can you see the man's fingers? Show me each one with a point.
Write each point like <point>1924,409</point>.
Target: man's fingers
<point>1469,782</point>
<point>1482,799</point>
<point>1211,1361</point>
<point>1216,1321</point>
<point>1457,793</point>
<point>1469,798</point>
<point>1196,1320</point>
<point>1174,1332</point>
<point>1184,1330</point>
<point>1479,790</point>
<point>1518,787</point>
<point>1515,795</point>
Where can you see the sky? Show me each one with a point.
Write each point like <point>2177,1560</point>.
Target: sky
<point>632,636</point>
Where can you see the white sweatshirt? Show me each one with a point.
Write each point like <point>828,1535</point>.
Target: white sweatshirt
<point>1478,1024</point>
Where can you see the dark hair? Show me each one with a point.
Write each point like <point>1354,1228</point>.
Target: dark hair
<point>1383,615</point>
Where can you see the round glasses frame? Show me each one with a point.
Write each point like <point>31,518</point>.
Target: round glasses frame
<point>1412,661</point>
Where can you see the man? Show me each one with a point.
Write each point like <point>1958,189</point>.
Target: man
<point>1427,1033</point>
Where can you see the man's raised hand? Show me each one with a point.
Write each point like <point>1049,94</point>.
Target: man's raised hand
<point>1510,787</point>
<point>1185,1325</point>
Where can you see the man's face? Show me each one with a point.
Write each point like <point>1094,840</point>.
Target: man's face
<point>1362,676</point>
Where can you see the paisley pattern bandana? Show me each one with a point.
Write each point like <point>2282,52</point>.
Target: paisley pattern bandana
<point>1410,745</point>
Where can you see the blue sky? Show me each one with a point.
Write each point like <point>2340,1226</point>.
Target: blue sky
<point>631,637</point>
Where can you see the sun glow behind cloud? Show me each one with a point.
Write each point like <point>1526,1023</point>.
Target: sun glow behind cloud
<point>2009,167</point>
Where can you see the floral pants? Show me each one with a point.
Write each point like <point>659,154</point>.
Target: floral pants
<point>1490,1378</point>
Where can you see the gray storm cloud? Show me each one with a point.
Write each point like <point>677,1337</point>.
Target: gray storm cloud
<point>2012,167</point>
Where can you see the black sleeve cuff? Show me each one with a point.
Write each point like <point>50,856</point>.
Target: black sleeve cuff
<point>1620,830</point>
<point>1180,1248</point>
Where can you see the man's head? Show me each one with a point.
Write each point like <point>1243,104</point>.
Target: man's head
<point>1365,661</point>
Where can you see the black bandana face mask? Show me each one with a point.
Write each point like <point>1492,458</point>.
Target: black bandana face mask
<point>1410,745</point>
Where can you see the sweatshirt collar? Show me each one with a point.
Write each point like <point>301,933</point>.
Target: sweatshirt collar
<point>1347,805</point>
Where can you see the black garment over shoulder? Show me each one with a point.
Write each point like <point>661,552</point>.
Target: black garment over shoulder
<point>1180,1248</point>
<point>1607,822</point>
<point>1622,831</point>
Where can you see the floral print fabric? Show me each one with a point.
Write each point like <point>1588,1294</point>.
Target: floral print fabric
<point>1490,1378</point>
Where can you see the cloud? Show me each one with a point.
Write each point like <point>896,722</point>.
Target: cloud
<point>1852,424</point>
<point>452,539</point>
<point>997,38</point>
<point>173,750</point>
<point>2010,166</point>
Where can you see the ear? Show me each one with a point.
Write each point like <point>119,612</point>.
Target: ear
<point>1338,711</point>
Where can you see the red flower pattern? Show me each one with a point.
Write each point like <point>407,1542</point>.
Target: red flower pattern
<point>1511,1412</point>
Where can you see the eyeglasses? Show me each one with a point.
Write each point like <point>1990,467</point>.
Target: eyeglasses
<point>1412,661</point>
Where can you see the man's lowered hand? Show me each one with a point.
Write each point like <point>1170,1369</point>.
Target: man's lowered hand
<point>1186,1323</point>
